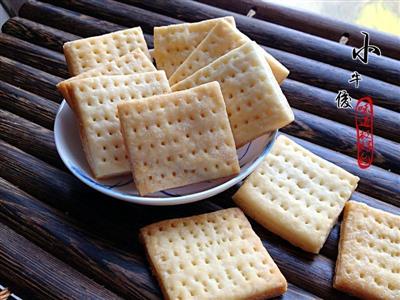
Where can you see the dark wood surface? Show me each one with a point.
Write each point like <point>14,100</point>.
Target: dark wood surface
<point>86,242</point>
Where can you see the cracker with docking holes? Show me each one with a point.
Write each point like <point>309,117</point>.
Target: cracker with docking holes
<point>223,38</point>
<point>95,100</point>
<point>296,194</point>
<point>178,139</point>
<point>174,43</point>
<point>85,54</point>
<point>133,62</point>
<point>254,100</point>
<point>368,264</point>
<point>211,256</point>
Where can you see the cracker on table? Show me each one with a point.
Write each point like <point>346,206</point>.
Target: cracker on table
<point>178,139</point>
<point>223,38</point>
<point>296,194</point>
<point>368,263</point>
<point>133,62</point>
<point>211,256</point>
<point>254,100</point>
<point>85,54</point>
<point>95,100</point>
<point>173,43</point>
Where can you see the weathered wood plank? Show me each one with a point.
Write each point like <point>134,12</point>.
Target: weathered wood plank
<point>27,105</point>
<point>311,23</point>
<point>63,19</point>
<point>37,33</point>
<point>322,103</point>
<point>334,79</point>
<point>342,138</point>
<point>122,272</point>
<point>12,6</point>
<point>271,35</point>
<point>38,274</point>
<point>30,79</point>
<point>118,13</point>
<point>38,57</point>
<point>30,137</point>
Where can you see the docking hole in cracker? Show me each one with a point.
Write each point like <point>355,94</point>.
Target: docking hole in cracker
<point>211,256</point>
<point>254,101</point>
<point>178,139</point>
<point>95,101</point>
<point>85,54</point>
<point>296,194</point>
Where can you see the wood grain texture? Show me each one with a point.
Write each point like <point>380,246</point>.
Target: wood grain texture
<point>322,103</point>
<point>342,138</point>
<point>60,18</point>
<point>117,12</point>
<point>12,6</point>
<point>305,21</point>
<point>30,79</point>
<point>40,275</point>
<point>37,33</point>
<point>38,57</point>
<point>275,36</point>
<point>66,239</point>
<point>29,137</point>
<point>334,79</point>
<point>27,105</point>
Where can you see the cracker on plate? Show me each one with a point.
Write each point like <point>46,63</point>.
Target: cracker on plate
<point>85,54</point>
<point>254,100</point>
<point>296,194</point>
<point>173,43</point>
<point>223,38</point>
<point>178,139</point>
<point>211,256</point>
<point>95,101</point>
<point>368,263</point>
<point>133,62</point>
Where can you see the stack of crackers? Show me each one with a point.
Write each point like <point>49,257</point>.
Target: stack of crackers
<point>214,91</point>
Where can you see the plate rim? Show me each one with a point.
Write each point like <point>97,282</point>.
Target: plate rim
<point>157,201</point>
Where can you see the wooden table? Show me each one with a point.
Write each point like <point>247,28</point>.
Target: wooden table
<point>59,239</point>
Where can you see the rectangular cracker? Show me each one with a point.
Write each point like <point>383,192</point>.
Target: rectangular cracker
<point>133,62</point>
<point>254,100</point>
<point>85,54</point>
<point>211,256</point>
<point>296,194</point>
<point>95,100</point>
<point>368,264</point>
<point>173,43</point>
<point>223,38</point>
<point>178,139</point>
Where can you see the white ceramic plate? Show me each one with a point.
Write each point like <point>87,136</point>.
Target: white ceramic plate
<point>69,147</point>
